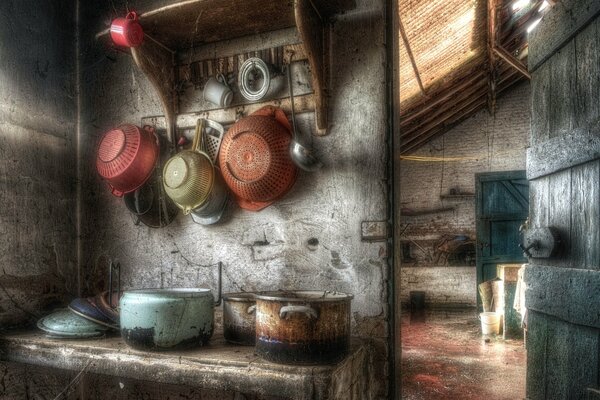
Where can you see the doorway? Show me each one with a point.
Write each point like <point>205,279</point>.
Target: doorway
<point>502,206</point>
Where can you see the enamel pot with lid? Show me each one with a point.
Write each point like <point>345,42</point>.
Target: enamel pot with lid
<point>239,318</point>
<point>126,157</point>
<point>167,319</point>
<point>303,327</point>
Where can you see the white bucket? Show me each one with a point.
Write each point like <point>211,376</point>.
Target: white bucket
<point>490,323</point>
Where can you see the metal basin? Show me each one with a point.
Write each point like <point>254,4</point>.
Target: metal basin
<point>167,319</point>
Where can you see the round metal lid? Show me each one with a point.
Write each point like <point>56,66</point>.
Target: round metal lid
<point>66,323</point>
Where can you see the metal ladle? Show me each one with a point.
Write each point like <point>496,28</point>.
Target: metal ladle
<point>302,156</point>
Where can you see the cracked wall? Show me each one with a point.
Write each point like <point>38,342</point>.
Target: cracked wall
<point>37,158</point>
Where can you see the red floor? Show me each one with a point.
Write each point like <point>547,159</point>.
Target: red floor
<point>444,356</point>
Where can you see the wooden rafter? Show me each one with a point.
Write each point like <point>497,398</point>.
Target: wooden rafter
<point>492,61</point>
<point>411,56</point>
<point>508,79</point>
<point>512,61</point>
<point>441,98</point>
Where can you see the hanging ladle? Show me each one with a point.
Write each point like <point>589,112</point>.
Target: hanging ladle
<point>302,156</point>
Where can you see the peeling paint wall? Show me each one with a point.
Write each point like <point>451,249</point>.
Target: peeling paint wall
<point>270,249</point>
<point>482,143</point>
<point>37,158</point>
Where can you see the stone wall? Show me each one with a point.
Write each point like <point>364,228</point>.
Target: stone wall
<point>37,158</point>
<point>482,143</point>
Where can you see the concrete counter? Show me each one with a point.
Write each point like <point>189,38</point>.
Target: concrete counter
<point>218,366</point>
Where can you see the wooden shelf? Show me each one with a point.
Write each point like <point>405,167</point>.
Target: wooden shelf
<point>192,23</point>
<point>218,366</point>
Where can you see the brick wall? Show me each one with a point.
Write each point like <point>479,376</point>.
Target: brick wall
<point>482,143</point>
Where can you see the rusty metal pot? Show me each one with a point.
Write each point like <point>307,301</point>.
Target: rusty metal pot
<point>239,318</point>
<point>303,327</point>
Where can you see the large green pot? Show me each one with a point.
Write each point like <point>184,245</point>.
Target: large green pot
<point>165,319</point>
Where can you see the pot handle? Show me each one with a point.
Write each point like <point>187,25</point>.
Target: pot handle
<point>198,143</point>
<point>285,311</point>
<point>251,309</point>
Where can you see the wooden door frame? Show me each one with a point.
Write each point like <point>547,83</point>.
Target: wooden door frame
<point>393,103</point>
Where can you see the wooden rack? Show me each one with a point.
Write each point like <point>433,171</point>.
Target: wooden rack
<point>187,24</point>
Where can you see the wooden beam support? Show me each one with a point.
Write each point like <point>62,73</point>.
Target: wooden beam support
<point>411,56</point>
<point>158,64</point>
<point>441,98</point>
<point>314,36</point>
<point>492,70</point>
<point>504,83</point>
<point>512,61</point>
<point>464,94</point>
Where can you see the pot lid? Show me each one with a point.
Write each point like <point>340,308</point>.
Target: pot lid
<point>317,296</point>
<point>66,323</point>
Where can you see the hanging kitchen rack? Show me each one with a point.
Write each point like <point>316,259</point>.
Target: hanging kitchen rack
<point>186,24</point>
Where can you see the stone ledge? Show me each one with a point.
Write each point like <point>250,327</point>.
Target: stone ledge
<point>218,366</point>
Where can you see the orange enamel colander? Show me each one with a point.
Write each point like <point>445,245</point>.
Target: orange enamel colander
<point>254,158</point>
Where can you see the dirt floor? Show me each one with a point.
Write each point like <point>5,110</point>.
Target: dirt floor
<point>444,356</point>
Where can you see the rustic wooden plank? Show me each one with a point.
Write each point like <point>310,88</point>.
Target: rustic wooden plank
<point>585,216</point>
<point>563,152</point>
<point>562,91</point>
<point>572,352</point>
<point>557,358</point>
<point>536,338</point>
<point>538,199</point>
<point>587,90</point>
<point>540,103</point>
<point>559,214</point>
<point>562,22</point>
<point>566,293</point>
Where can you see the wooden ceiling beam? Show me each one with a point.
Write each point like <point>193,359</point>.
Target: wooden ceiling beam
<point>449,124</point>
<point>504,83</point>
<point>458,98</point>
<point>512,61</point>
<point>517,27</point>
<point>441,98</point>
<point>441,120</point>
<point>411,56</point>
<point>492,10</point>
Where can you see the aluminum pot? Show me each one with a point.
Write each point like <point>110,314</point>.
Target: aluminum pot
<point>239,318</point>
<point>167,319</point>
<point>303,327</point>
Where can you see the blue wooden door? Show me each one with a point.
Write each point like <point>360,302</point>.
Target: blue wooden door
<point>502,206</point>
